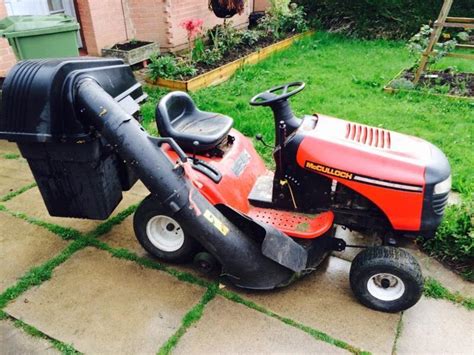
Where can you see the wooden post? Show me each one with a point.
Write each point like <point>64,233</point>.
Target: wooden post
<point>438,29</point>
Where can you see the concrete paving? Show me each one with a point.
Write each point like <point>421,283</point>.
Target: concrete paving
<point>102,304</point>
<point>436,327</point>
<point>22,246</point>
<point>323,300</point>
<point>230,328</point>
<point>14,174</point>
<point>14,341</point>
<point>31,203</point>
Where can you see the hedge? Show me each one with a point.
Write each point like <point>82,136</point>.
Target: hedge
<point>396,19</point>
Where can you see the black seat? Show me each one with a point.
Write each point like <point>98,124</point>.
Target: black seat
<point>178,117</point>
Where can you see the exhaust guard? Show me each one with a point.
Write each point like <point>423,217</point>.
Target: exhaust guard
<point>249,261</point>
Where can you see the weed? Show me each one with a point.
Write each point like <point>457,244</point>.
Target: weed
<point>13,194</point>
<point>311,331</point>
<point>434,289</point>
<point>11,156</point>
<point>193,316</point>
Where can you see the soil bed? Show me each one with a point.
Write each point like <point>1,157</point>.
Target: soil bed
<point>445,82</point>
<point>128,46</point>
<point>237,52</point>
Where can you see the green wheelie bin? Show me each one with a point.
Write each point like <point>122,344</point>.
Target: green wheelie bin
<point>31,37</point>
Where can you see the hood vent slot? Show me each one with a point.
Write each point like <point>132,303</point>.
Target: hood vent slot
<point>374,137</point>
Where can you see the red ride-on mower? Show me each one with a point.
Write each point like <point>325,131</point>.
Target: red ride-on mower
<point>212,198</point>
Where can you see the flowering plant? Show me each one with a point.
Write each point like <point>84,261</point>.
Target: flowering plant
<point>193,28</point>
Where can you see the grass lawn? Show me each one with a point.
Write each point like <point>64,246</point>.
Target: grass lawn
<point>344,78</point>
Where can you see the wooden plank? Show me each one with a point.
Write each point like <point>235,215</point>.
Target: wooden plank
<point>453,25</point>
<point>460,55</point>
<point>223,73</point>
<point>465,46</point>
<point>460,19</point>
<point>443,14</point>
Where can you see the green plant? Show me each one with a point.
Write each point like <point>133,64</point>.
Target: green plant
<point>402,83</point>
<point>419,43</point>
<point>210,57</point>
<point>198,50</point>
<point>250,37</point>
<point>224,37</point>
<point>168,67</point>
<point>277,22</point>
<point>454,240</point>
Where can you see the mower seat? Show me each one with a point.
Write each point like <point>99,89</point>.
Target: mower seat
<point>178,117</point>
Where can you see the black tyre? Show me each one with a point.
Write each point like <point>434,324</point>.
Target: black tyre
<point>386,279</point>
<point>161,235</point>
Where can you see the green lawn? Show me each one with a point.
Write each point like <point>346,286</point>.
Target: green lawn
<point>345,78</point>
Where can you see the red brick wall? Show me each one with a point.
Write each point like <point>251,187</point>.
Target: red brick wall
<point>102,23</point>
<point>7,58</point>
<point>146,20</point>
<point>179,10</point>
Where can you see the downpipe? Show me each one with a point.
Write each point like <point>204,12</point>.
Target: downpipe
<point>243,263</point>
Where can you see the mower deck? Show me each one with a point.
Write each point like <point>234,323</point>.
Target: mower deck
<point>297,225</point>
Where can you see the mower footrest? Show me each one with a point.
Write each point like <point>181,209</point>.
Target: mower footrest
<point>294,224</point>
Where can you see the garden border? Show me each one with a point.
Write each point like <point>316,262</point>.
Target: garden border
<point>391,90</point>
<point>225,72</point>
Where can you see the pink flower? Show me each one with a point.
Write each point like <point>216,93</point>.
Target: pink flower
<point>193,27</point>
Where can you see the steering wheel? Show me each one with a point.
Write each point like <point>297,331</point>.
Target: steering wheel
<point>271,96</point>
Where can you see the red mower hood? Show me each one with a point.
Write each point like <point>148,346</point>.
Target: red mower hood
<point>364,150</point>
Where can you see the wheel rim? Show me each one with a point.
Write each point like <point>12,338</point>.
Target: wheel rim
<point>386,287</point>
<point>165,233</point>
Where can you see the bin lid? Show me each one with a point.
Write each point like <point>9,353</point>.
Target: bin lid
<point>25,26</point>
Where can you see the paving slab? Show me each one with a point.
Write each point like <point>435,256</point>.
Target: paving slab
<point>436,327</point>
<point>31,203</point>
<point>8,147</point>
<point>122,236</point>
<point>22,246</point>
<point>14,341</point>
<point>101,304</point>
<point>324,301</point>
<point>231,328</point>
<point>14,174</point>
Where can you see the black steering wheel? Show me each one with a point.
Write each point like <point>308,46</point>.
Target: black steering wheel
<point>267,98</point>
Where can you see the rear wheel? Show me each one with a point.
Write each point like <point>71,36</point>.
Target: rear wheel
<point>386,279</point>
<point>160,234</point>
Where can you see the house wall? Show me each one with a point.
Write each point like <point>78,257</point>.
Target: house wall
<point>7,58</point>
<point>261,5</point>
<point>102,23</point>
<point>186,9</point>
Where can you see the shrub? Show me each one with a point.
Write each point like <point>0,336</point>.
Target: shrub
<point>168,67</point>
<point>278,22</point>
<point>454,240</point>
<point>380,18</point>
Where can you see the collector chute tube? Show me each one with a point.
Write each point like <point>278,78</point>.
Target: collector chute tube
<point>241,256</point>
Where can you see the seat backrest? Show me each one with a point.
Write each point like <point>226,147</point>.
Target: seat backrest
<point>171,108</point>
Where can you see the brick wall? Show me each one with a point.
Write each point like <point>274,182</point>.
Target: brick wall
<point>179,10</point>
<point>7,58</point>
<point>261,5</point>
<point>146,20</point>
<point>102,23</point>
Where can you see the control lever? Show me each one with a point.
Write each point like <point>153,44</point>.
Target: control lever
<point>195,147</point>
<point>172,143</point>
<point>259,138</point>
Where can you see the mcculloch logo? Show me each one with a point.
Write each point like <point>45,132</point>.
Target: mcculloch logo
<point>330,171</point>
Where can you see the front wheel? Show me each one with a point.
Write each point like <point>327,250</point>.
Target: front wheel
<point>386,279</point>
<point>160,234</point>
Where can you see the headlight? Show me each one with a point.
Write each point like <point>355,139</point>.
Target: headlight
<point>443,187</point>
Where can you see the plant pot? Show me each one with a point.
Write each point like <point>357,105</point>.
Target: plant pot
<point>132,53</point>
<point>221,11</point>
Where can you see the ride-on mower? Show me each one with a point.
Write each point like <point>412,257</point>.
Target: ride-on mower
<point>211,198</point>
